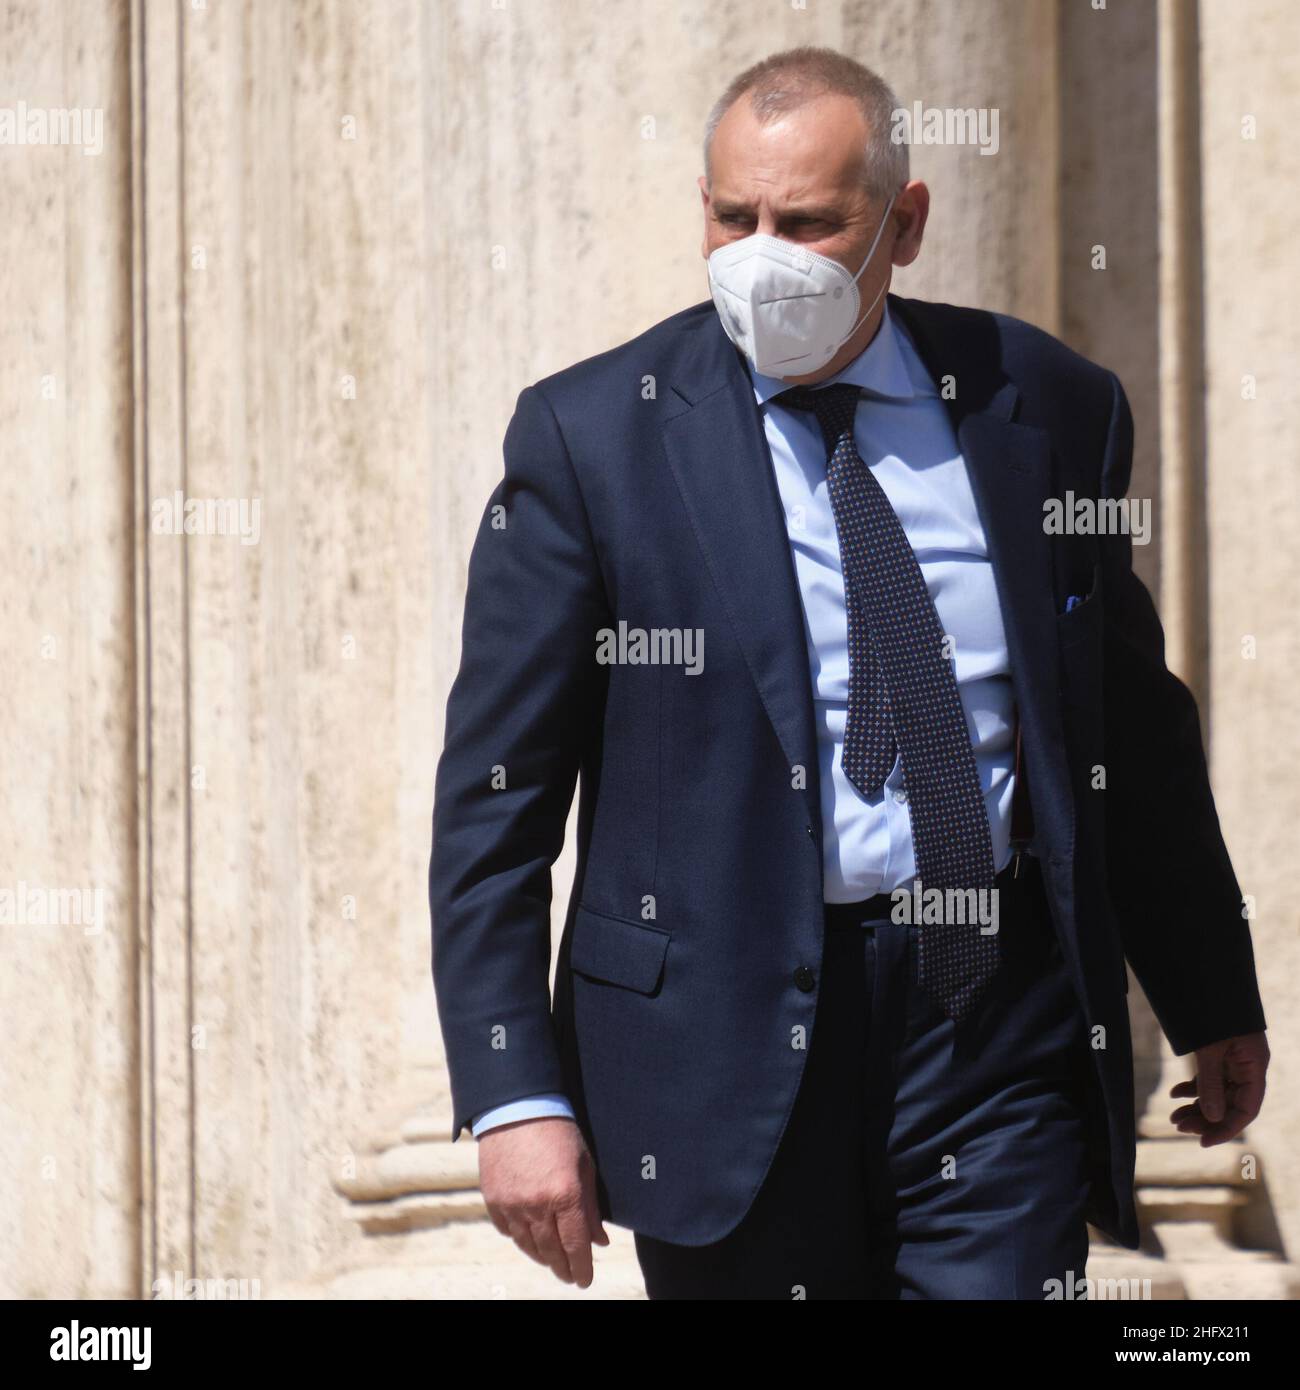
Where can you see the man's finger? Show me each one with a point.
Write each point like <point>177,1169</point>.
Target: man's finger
<point>1228,1128</point>
<point>591,1205</point>
<point>1188,1114</point>
<point>1249,1096</point>
<point>1209,1085</point>
<point>521,1232</point>
<point>571,1225</point>
<point>551,1247</point>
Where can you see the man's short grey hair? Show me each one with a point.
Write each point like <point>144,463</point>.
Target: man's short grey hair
<point>787,80</point>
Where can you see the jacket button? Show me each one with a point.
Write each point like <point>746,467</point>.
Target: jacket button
<point>805,980</point>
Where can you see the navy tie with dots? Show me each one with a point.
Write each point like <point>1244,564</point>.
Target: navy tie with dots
<point>902,689</point>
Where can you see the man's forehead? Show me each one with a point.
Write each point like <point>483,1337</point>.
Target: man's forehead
<point>813,154</point>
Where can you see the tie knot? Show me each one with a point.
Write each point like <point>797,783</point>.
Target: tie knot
<point>834,407</point>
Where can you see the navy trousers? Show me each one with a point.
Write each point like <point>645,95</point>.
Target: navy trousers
<point>921,1160</point>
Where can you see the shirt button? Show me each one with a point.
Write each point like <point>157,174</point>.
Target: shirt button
<point>901,795</point>
<point>805,980</point>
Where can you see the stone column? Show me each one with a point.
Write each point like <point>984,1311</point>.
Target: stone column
<point>1250,107</point>
<point>69,1064</point>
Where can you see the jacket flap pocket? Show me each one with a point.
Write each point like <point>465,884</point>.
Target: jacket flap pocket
<point>617,951</point>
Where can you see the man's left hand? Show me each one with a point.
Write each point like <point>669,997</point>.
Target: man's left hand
<point>1228,1086</point>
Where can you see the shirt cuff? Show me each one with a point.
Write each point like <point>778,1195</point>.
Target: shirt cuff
<point>527,1108</point>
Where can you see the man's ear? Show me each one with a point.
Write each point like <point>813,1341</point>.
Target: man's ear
<point>912,209</point>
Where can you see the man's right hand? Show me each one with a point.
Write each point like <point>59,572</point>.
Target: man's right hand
<point>539,1182</point>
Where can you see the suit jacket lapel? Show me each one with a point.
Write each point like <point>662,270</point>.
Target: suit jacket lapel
<point>714,441</point>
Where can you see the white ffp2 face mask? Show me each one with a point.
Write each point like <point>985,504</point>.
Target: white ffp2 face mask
<point>788,309</point>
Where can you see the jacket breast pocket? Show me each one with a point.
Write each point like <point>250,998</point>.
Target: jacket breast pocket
<point>1079,635</point>
<point>1082,621</point>
<point>617,951</point>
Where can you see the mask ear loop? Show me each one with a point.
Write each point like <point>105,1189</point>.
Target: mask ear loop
<point>880,231</point>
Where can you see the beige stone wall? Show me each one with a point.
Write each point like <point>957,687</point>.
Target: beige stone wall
<point>323,249</point>
<point>69,1060</point>
<point>1249,74</point>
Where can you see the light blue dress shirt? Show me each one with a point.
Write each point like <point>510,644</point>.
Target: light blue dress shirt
<point>905,437</point>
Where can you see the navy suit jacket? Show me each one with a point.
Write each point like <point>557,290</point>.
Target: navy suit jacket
<point>638,488</point>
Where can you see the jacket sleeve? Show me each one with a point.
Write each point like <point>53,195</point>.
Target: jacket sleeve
<point>1170,879</point>
<point>524,700</point>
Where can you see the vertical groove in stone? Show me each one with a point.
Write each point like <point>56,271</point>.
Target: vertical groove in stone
<point>1184,592</point>
<point>147,1235</point>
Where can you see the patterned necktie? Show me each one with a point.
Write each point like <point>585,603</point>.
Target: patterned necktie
<point>896,642</point>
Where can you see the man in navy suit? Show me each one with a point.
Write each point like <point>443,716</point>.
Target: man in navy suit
<point>882,774</point>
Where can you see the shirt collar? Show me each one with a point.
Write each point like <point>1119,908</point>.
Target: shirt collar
<point>879,368</point>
